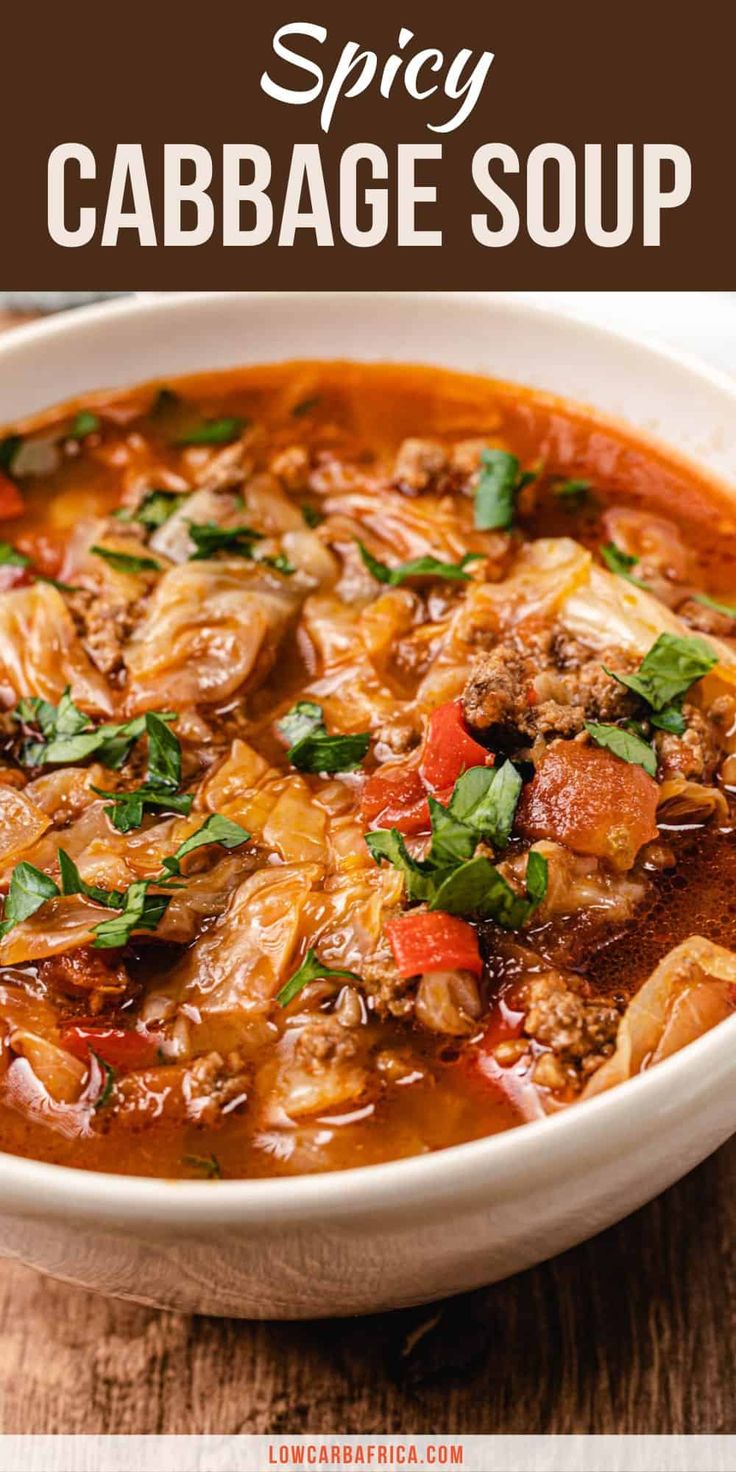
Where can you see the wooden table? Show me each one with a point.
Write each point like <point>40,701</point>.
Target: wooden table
<point>633,1332</point>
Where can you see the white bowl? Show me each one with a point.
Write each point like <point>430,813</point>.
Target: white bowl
<point>412,1230</point>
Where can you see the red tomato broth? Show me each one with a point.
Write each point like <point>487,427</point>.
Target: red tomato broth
<point>431,1093</point>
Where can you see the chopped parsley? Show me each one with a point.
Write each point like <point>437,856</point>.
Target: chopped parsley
<point>311,969</point>
<point>624,743</point>
<point>213,432</point>
<point>311,516</point>
<point>125,561</point>
<point>419,567</point>
<point>500,482</point>
<point>312,749</point>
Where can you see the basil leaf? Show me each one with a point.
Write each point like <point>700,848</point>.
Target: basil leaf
<point>419,567</point>
<point>670,719</point>
<point>486,798</point>
<point>478,888</point>
<point>452,841</point>
<point>70,736</point>
<point>311,969</point>
<point>666,673</point>
<point>620,563</point>
<point>73,883</point>
<point>322,753</point>
<point>388,843</point>
<point>624,744</point>
<point>83,423</point>
<point>215,829</point>
<point>9,557</point>
<point>209,538</point>
<point>155,508</point>
<point>537,877</point>
<point>125,809</point>
<point>312,749</point>
<point>29,889</point>
<point>301,720</point>
<point>213,432</point>
<point>125,562</point>
<point>726,609</point>
<point>140,911</point>
<point>164,753</point>
<point>499,484</point>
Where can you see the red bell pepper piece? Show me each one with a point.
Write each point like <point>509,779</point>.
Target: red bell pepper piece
<point>449,749</point>
<point>431,940</point>
<point>11,501</point>
<point>120,1047</point>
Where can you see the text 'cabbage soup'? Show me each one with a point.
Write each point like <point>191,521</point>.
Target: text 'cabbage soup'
<point>368,742</point>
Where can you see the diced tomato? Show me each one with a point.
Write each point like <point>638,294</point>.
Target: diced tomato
<point>591,801</point>
<point>395,797</point>
<point>11,501</point>
<point>433,941</point>
<point>120,1047</point>
<point>449,749</point>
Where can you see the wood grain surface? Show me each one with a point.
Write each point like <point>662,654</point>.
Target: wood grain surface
<point>632,1332</point>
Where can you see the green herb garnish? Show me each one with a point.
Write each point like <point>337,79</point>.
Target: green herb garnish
<point>726,609</point>
<point>108,1077</point>
<point>155,508</point>
<point>140,911</point>
<point>572,492</point>
<point>419,567</point>
<point>213,432</point>
<point>621,563</point>
<point>126,809</point>
<point>215,829</point>
<point>311,969</point>
<point>9,447</point>
<point>125,562</point>
<point>669,669</point>
<point>207,1165</point>
<point>625,744</point>
<point>83,423</point>
<point>209,538</point>
<point>10,557</point>
<point>311,749</point>
<point>500,482</point>
<point>69,736</point>
<point>29,889</point>
<point>311,516</point>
